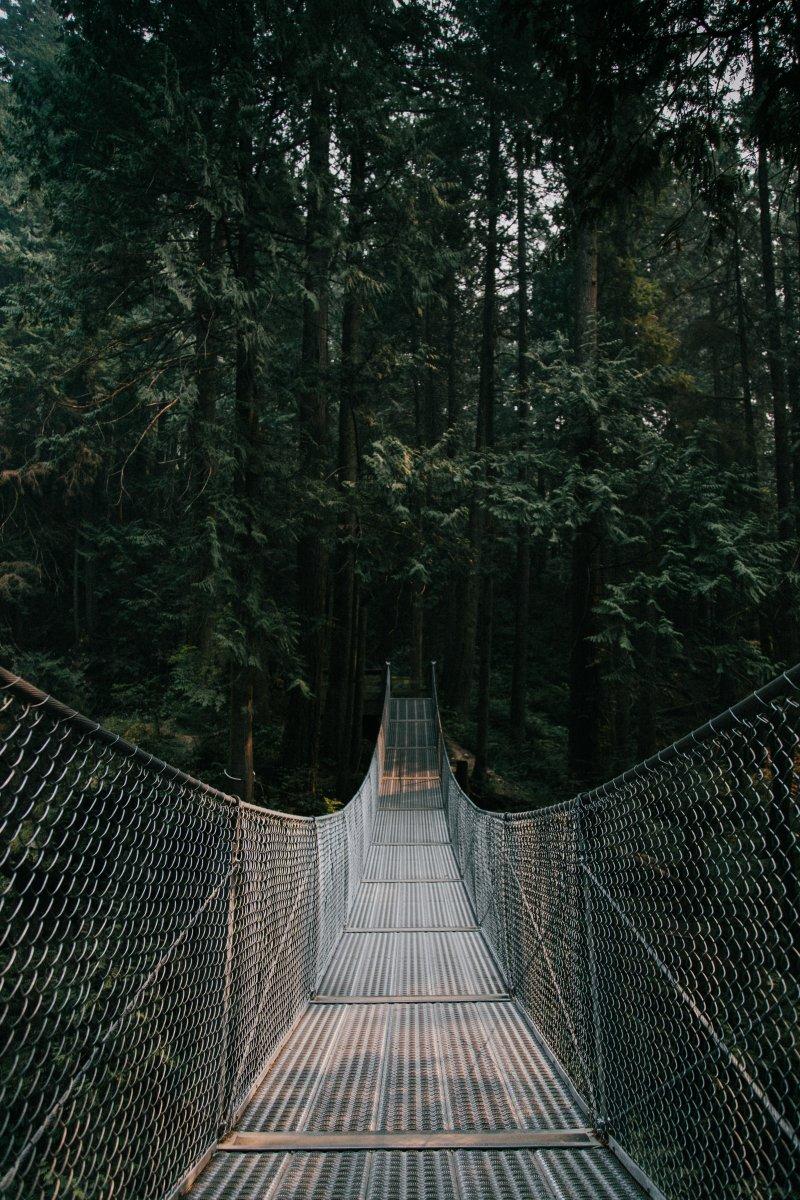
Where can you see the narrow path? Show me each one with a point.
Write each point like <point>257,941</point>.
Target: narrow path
<point>412,1075</point>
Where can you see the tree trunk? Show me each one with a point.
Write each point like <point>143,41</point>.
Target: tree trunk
<point>485,621</point>
<point>241,731</point>
<point>586,290</point>
<point>645,718</point>
<point>584,676</point>
<point>450,356</point>
<point>774,341</point>
<point>792,367</point>
<point>344,759</point>
<point>302,730</point>
<point>484,441</point>
<point>458,668</point>
<point>432,415</point>
<point>774,349</point>
<point>201,442</point>
<point>522,574</point>
<point>744,361</point>
<point>417,638</point>
<point>245,482</point>
<point>343,632</point>
<point>245,490</point>
<point>358,686</point>
<point>76,586</point>
<point>457,682</point>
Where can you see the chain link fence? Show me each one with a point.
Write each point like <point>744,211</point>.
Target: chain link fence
<point>650,930</point>
<point>158,940</point>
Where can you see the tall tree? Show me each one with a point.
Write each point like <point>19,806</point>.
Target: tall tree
<point>303,727</point>
<point>522,577</point>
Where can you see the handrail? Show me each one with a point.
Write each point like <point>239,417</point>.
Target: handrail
<point>34,697</point>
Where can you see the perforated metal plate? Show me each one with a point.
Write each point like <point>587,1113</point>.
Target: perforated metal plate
<point>403,827</point>
<point>398,792</point>
<point>411,1067</point>
<point>418,1175</point>
<point>394,864</point>
<point>504,1175</point>
<point>587,1175</point>
<point>411,905</point>
<point>412,964</point>
<point>411,1177</point>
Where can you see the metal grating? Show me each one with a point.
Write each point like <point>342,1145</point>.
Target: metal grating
<point>242,1177</point>
<point>410,827</point>
<point>411,1067</point>
<point>412,905</point>
<point>418,1175</point>
<point>509,1175</point>
<point>586,1175</point>
<point>394,864</point>
<point>284,1099</point>
<point>411,1176</point>
<point>412,964</point>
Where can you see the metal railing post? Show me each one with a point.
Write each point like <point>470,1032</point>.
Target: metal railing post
<point>584,887</point>
<point>226,1073</point>
<point>507,938</point>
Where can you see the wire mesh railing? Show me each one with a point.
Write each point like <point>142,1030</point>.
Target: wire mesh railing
<point>650,930</point>
<point>158,940</point>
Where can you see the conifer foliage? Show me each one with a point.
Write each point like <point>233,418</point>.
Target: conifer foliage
<point>339,331</point>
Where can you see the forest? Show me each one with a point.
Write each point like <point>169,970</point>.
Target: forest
<point>342,331</point>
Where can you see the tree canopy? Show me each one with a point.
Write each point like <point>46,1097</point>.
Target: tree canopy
<point>453,329</point>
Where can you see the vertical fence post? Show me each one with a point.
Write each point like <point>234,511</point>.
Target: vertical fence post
<point>226,1072</point>
<point>441,755</point>
<point>435,699</point>
<point>506,910</point>
<point>321,923</point>
<point>584,899</point>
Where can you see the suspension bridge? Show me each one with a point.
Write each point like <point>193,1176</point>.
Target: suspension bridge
<point>409,998</point>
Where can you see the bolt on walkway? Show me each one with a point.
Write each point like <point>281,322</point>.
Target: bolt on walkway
<point>412,1073</point>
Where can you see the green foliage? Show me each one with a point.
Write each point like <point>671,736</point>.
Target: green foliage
<point>154,195</point>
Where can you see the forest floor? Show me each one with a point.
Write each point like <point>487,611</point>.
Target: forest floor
<point>500,794</point>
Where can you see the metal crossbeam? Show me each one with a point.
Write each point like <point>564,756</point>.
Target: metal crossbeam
<point>485,1139</point>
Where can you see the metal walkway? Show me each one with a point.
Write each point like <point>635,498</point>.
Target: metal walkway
<point>412,1073</point>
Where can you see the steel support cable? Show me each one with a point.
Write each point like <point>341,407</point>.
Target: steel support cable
<point>133,1002</point>
<point>792,1134</point>
<point>265,987</point>
<point>716,1049</point>
<point>553,977</point>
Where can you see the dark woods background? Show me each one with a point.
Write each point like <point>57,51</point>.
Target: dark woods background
<point>339,331</point>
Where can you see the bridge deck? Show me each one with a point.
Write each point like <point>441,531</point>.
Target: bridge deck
<point>412,1074</point>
